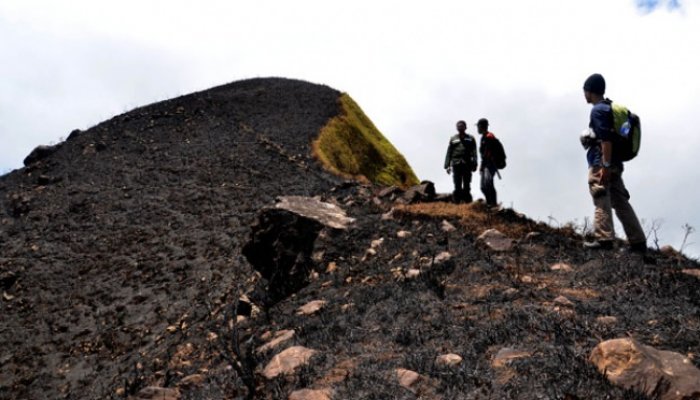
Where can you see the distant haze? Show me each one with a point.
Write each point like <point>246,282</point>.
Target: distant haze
<point>415,69</point>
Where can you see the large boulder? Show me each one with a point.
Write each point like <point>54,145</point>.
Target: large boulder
<point>663,375</point>
<point>282,242</point>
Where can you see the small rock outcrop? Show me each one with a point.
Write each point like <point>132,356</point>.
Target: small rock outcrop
<point>282,241</point>
<point>660,374</point>
<point>39,153</point>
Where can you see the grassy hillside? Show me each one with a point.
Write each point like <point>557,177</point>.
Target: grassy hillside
<point>351,146</point>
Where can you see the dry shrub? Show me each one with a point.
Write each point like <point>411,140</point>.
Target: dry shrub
<point>475,217</point>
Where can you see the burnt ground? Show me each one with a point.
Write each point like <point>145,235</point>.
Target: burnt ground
<point>121,265</point>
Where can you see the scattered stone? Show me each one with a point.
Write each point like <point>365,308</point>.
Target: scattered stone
<point>447,227</point>
<point>663,375</point>
<point>564,267</point>
<point>506,355</point>
<point>420,193</point>
<point>563,301</point>
<point>332,267</point>
<point>388,215</point>
<point>496,240</point>
<point>311,307</point>
<point>606,320</point>
<point>280,337</point>
<point>403,234</point>
<point>376,243</point>
<point>377,202</point>
<point>412,273</point>
<point>407,378</point>
<point>448,360</point>
<point>692,272</point>
<point>309,394</point>
<point>327,214</point>
<point>192,381</point>
<point>157,393</point>
<point>288,361</point>
<point>442,257</point>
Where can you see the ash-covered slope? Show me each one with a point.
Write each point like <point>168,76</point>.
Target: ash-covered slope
<point>122,268</point>
<point>132,226</point>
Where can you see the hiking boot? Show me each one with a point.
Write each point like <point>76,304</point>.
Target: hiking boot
<point>599,245</point>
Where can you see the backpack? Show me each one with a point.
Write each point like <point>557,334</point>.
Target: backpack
<point>498,154</point>
<point>628,132</point>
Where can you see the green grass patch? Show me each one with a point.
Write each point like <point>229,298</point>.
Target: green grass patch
<point>351,146</point>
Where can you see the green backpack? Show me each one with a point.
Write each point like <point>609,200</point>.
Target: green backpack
<point>628,132</point>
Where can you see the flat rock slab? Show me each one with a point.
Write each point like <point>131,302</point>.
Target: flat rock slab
<point>407,378</point>
<point>288,361</point>
<point>495,240</point>
<point>311,307</point>
<point>280,337</point>
<point>656,373</point>
<point>448,360</point>
<point>327,214</point>
<point>309,394</point>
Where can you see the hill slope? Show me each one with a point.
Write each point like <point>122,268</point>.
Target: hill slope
<point>122,267</point>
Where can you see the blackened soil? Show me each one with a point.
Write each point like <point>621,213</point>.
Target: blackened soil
<point>121,265</point>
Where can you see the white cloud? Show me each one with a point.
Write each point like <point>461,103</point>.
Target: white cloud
<point>414,68</point>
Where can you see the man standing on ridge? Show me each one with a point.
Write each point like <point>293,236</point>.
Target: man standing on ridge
<point>461,159</point>
<point>491,152</point>
<point>605,174</point>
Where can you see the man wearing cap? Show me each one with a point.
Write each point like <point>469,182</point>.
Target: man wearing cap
<point>488,166</point>
<point>605,174</point>
<point>461,161</point>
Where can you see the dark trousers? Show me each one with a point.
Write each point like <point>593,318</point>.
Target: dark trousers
<point>487,187</point>
<point>462,177</point>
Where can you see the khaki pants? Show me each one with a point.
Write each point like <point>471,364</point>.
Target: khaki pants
<point>614,196</point>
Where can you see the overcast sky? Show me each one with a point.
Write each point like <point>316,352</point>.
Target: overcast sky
<point>414,67</point>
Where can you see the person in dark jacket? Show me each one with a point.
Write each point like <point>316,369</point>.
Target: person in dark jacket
<point>461,160</point>
<point>488,167</point>
<point>605,174</point>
